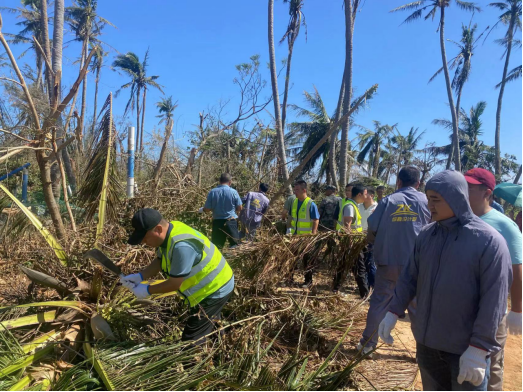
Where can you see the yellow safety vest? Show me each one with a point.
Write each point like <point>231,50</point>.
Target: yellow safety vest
<point>208,275</point>
<point>356,223</point>
<point>301,222</point>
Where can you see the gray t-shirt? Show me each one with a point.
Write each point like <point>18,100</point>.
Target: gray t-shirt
<point>184,256</point>
<point>349,211</point>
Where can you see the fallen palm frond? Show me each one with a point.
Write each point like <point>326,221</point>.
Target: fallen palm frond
<point>101,187</point>
<point>24,321</point>
<point>273,259</point>
<point>45,233</point>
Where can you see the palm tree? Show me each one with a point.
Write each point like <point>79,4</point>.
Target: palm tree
<point>96,67</point>
<point>472,149</point>
<point>87,26</point>
<point>433,6</point>
<point>293,29</point>
<point>511,16</point>
<point>514,74</point>
<point>462,63</point>
<point>370,144</point>
<point>166,108</point>
<point>351,8</point>
<point>130,65</point>
<point>32,26</point>
<point>282,160</point>
<point>406,145</point>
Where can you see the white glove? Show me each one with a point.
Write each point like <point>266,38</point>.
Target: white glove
<point>472,365</point>
<point>289,230</point>
<point>200,210</point>
<point>129,281</point>
<point>141,291</point>
<point>386,326</point>
<point>514,323</point>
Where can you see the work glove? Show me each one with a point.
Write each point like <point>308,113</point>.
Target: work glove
<point>472,365</point>
<point>514,323</point>
<point>200,210</point>
<point>386,326</point>
<point>289,230</point>
<point>129,281</point>
<point>141,291</point>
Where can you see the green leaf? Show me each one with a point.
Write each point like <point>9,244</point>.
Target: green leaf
<point>25,361</point>
<point>98,366</point>
<point>38,318</point>
<point>60,253</point>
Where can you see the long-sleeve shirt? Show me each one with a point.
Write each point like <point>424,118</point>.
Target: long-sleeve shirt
<point>395,224</point>
<point>460,273</point>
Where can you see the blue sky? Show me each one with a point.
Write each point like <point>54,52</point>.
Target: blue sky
<point>194,46</point>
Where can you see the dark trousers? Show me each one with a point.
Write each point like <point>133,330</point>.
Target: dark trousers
<point>370,267</point>
<point>439,371</point>
<point>223,230</point>
<point>360,272</point>
<point>203,319</point>
<point>308,268</point>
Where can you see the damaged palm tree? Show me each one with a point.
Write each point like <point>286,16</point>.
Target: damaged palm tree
<point>101,187</point>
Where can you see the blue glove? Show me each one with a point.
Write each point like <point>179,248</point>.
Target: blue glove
<point>141,291</point>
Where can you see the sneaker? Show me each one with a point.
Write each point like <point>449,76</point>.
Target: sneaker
<point>365,350</point>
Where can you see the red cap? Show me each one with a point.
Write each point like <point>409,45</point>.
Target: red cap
<point>479,176</point>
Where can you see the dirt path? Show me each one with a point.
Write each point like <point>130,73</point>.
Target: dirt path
<point>512,378</point>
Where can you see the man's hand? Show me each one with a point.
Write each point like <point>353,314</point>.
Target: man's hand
<point>472,365</point>
<point>129,281</point>
<point>514,323</point>
<point>386,326</point>
<point>141,291</point>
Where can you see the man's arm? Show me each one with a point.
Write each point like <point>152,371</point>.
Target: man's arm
<point>315,224</point>
<point>153,269</point>
<point>494,283</point>
<point>238,201</point>
<point>347,221</point>
<point>515,289</point>
<point>407,285</point>
<point>208,207</point>
<point>171,284</point>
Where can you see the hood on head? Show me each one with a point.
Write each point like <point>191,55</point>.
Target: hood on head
<point>453,187</point>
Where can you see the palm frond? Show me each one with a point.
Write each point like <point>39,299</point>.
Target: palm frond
<point>514,74</point>
<point>468,6</point>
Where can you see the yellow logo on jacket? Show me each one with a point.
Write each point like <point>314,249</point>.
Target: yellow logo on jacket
<point>255,203</point>
<point>404,214</point>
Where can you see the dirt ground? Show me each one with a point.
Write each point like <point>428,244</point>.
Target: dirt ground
<point>406,349</point>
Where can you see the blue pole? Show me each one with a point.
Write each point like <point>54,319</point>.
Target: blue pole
<point>130,162</point>
<point>13,172</point>
<point>25,178</point>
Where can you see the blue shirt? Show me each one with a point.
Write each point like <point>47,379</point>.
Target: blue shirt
<point>313,209</point>
<point>497,206</point>
<point>185,255</point>
<point>508,229</point>
<point>223,201</point>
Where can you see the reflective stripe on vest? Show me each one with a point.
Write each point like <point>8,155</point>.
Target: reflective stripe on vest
<point>356,223</point>
<point>301,222</point>
<point>208,275</point>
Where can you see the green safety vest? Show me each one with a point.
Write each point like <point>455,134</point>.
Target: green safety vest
<point>301,222</point>
<point>356,223</point>
<point>208,275</point>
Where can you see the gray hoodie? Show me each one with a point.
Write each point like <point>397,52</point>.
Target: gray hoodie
<point>395,224</point>
<point>460,272</point>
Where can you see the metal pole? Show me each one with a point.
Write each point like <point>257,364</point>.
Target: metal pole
<point>25,179</point>
<point>15,171</point>
<point>130,162</point>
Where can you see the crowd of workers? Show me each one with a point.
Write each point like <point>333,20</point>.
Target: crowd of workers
<point>446,255</point>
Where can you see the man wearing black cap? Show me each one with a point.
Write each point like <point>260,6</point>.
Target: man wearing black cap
<point>195,267</point>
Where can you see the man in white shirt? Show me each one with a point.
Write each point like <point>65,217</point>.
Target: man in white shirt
<point>366,209</point>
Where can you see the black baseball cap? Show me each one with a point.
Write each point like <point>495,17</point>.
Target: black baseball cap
<point>143,221</point>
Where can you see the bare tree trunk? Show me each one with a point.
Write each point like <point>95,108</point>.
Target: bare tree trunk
<point>158,168</point>
<point>276,99</point>
<point>190,162</point>
<point>458,111</point>
<point>58,38</point>
<point>64,182</point>
<point>143,118</point>
<point>376,161</point>
<point>45,44</point>
<point>45,176</point>
<point>262,157</point>
<point>455,135</point>
<point>39,66</point>
<point>334,136</point>
<point>290,42</point>
<point>137,144</point>
<point>97,79</point>
<point>518,175</point>
<point>200,169</point>
<point>497,143</point>
<point>84,102</point>
<point>348,91</point>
